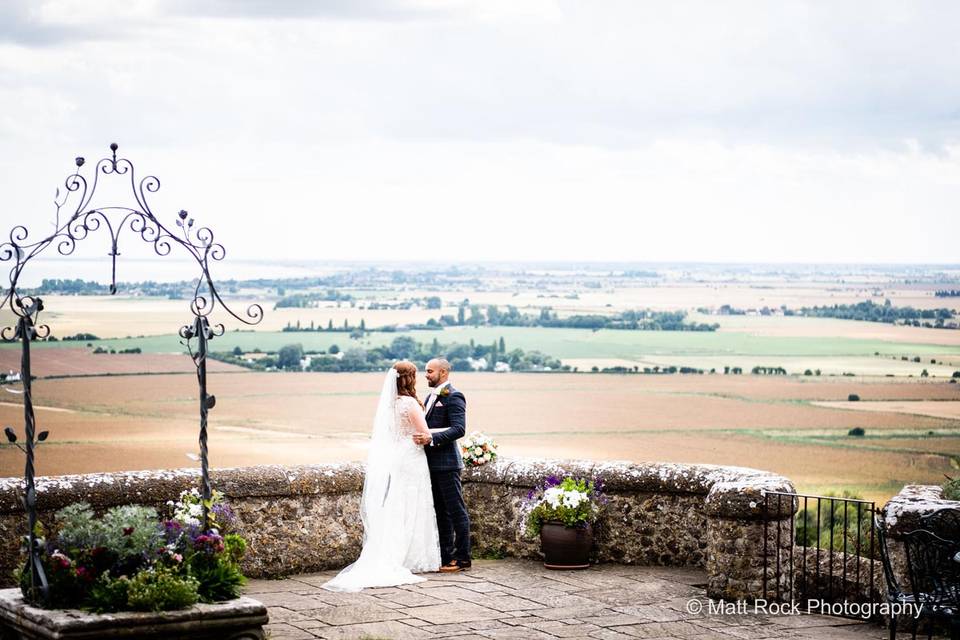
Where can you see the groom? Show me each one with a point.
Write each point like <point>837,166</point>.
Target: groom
<point>446,412</point>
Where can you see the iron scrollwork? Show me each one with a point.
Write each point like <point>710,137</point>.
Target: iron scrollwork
<point>75,224</point>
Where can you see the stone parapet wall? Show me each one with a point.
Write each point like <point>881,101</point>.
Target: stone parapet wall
<point>902,514</point>
<point>306,518</point>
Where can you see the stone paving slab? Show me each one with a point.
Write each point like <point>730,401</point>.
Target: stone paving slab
<point>506,599</point>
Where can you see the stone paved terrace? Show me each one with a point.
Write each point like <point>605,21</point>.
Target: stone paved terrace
<point>520,599</point>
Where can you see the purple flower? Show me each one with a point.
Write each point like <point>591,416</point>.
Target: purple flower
<point>224,516</point>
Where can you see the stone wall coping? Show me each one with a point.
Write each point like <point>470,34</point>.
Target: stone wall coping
<point>242,612</point>
<point>903,511</point>
<point>730,492</point>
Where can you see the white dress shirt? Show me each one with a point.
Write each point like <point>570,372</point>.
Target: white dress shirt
<point>434,394</point>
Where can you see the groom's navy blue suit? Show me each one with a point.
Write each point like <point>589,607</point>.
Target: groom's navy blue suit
<point>449,413</point>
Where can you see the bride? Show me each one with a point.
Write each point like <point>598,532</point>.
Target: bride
<point>399,523</point>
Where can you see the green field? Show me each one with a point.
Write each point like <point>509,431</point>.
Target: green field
<point>560,343</point>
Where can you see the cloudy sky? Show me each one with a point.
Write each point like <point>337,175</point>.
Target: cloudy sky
<point>532,129</point>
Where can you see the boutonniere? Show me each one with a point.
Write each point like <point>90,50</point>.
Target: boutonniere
<point>443,393</point>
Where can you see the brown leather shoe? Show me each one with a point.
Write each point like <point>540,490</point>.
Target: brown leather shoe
<point>454,566</point>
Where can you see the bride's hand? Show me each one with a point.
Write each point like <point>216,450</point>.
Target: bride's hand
<point>421,439</point>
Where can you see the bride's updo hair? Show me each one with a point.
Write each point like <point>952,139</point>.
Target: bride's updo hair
<point>407,380</point>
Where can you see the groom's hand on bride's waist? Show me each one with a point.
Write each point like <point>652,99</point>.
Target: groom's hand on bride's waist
<point>422,438</point>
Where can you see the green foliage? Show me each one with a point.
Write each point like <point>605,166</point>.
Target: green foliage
<point>571,502</point>
<point>951,488</point>
<point>122,539</point>
<point>219,577</point>
<point>160,589</point>
<point>234,547</point>
<point>128,560</point>
<point>872,312</point>
<point>833,516</point>
<point>289,356</point>
<point>853,398</point>
<point>131,533</point>
<point>108,594</point>
<point>857,432</point>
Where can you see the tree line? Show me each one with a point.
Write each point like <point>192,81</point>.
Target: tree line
<point>462,357</point>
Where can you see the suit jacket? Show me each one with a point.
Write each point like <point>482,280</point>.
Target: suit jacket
<point>449,413</point>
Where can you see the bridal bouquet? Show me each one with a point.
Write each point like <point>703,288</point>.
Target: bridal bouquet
<point>477,449</point>
<point>572,502</point>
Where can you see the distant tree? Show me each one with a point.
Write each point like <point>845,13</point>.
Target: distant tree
<point>237,351</point>
<point>461,315</point>
<point>289,356</point>
<point>330,325</point>
<point>403,348</point>
<point>460,364</point>
<point>334,349</point>
<point>924,373</point>
<point>502,346</point>
<point>354,359</point>
<point>853,397</point>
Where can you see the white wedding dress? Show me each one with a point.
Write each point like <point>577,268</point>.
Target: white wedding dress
<point>399,524</point>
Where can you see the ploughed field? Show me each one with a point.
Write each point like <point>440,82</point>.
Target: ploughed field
<point>793,425</point>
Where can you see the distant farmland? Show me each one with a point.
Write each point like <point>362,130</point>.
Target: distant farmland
<point>772,423</point>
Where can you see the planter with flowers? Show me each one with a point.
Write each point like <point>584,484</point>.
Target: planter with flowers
<point>562,512</point>
<point>131,560</point>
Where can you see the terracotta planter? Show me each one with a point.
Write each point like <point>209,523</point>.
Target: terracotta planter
<point>566,547</point>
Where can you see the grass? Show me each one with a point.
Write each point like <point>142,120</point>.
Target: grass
<point>560,343</point>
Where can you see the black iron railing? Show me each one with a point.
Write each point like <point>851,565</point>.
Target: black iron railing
<point>830,555</point>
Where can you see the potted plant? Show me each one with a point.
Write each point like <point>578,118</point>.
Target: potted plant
<point>131,560</point>
<point>562,513</point>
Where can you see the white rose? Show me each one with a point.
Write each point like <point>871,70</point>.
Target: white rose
<point>477,451</point>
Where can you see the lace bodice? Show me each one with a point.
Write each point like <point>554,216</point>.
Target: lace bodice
<point>405,405</point>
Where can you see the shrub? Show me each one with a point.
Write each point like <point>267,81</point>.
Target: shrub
<point>951,489</point>
<point>160,589</point>
<point>216,564</point>
<point>833,517</point>
<point>853,397</point>
<point>857,431</point>
<point>109,594</point>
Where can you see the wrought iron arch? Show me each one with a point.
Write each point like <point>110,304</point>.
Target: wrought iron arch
<point>72,225</point>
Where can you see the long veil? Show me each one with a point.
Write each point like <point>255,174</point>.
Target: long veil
<point>381,509</point>
<point>380,457</point>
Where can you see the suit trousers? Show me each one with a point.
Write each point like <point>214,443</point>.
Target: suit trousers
<point>453,523</point>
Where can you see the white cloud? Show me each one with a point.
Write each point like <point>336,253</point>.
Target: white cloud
<point>681,131</point>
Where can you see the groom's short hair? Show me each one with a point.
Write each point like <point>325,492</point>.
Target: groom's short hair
<point>443,364</point>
